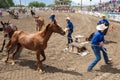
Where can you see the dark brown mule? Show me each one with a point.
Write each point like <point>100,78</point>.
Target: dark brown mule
<point>8,30</point>
<point>35,42</point>
<point>39,22</point>
<point>11,13</point>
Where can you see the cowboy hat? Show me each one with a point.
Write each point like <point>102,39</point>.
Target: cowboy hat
<point>68,18</point>
<point>103,16</point>
<point>101,27</point>
<point>52,14</point>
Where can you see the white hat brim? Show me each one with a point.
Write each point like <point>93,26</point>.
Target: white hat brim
<point>99,28</point>
<point>68,18</point>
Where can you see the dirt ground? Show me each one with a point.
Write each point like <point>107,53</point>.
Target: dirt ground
<point>61,65</point>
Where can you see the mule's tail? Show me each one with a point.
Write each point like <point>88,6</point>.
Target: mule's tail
<point>90,37</point>
<point>14,40</point>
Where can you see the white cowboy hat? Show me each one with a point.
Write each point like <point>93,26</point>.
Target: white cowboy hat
<point>68,18</point>
<point>103,15</point>
<point>52,14</point>
<point>101,27</point>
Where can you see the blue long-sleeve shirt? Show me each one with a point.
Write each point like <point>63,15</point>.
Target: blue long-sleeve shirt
<point>97,38</point>
<point>104,21</point>
<point>70,25</point>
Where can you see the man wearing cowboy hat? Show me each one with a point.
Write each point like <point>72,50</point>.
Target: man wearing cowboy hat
<point>97,43</point>
<point>69,28</point>
<point>104,21</point>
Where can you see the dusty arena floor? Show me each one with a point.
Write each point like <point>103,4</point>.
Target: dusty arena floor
<point>61,65</point>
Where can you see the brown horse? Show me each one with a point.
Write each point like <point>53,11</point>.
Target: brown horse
<point>8,30</point>
<point>35,42</point>
<point>40,22</point>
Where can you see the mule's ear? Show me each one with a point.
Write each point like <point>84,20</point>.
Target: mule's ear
<point>55,22</point>
<point>47,27</point>
<point>2,23</point>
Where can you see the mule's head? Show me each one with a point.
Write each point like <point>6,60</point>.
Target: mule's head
<point>56,28</point>
<point>5,24</point>
<point>36,18</point>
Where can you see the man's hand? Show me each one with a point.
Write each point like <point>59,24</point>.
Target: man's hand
<point>101,44</point>
<point>66,29</point>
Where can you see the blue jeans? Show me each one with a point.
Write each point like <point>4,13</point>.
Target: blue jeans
<point>69,37</point>
<point>96,50</point>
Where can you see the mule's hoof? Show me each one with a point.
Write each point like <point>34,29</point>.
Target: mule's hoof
<point>39,70</point>
<point>12,63</point>
<point>1,50</point>
<point>6,61</point>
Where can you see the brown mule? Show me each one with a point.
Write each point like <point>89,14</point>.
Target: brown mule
<point>8,30</point>
<point>35,42</point>
<point>39,22</point>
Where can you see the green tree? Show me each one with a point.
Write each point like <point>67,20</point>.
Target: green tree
<point>51,5</point>
<point>18,5</point>
<point>69,1</point>
<point>6,3</point>
<point>41,4</point>
<point>36,4</point>
<point>66,1</point>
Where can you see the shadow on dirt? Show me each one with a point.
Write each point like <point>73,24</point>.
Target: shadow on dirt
<point>109,68</point>
<point>51,69</point>
<point>46,68</point>
<point>28,63</point>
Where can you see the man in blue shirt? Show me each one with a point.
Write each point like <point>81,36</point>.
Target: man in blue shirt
<point>97,43</point>
<point>104,21</point>
<point>69,28</point>
<point>52,17</point>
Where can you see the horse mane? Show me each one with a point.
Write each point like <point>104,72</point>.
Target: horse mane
<point>45,29</point>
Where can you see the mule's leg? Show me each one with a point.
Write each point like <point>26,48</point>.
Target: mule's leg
<point>8,44</point>
<point>9,50</point>
<point>40,27</point>
<point>3,45</point>
<point>38,61</point>
<point>7,57</point>
<point>14,53</point>
<point>43,55</point>
<point>37,28</point>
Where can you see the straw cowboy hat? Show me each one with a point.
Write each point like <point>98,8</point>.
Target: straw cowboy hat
<point>52,14</point>
<point>101,27</point>
<point>68,18</point>
<point>103,16</point>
